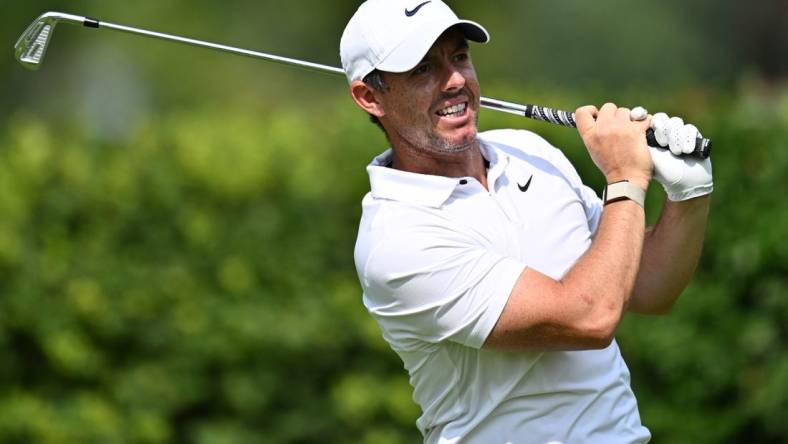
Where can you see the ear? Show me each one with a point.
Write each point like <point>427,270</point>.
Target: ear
<point>367,98</point>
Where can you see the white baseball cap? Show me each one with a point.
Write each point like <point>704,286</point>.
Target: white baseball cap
<point>395,35</point>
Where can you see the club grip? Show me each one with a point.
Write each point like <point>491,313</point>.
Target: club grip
<point>565,118</point>
<point>702,145</point>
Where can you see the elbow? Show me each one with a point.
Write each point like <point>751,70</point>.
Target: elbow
<point>599,330</point>
<point>599,338</point>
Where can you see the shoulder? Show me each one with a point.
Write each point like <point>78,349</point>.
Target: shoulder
<point>392,233</point>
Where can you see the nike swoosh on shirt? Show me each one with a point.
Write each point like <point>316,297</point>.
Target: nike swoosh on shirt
<point>524,188</point>
<point>413,11</point>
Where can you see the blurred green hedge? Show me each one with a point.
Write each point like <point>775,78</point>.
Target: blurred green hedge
<point>195,283</point>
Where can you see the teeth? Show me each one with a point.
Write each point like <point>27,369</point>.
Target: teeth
<point>456,109</point>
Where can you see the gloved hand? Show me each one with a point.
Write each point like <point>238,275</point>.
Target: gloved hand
<point>683,178</point>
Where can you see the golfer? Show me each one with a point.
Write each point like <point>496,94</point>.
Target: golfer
<point>492,271</point>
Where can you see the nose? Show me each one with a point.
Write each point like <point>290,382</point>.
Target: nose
<point>455,79</point>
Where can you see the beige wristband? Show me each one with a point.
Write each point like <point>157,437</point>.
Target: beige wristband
<point>624,190</point>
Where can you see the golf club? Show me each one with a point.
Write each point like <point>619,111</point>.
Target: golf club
<point>31,47</point>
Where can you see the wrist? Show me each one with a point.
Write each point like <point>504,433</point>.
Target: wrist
<point>681,195</point>
<point>639,180</point>
<point>700,203</point>
<point>623,190</point>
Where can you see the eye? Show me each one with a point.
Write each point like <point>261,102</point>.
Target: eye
<point>421,69</point>
<point>461,57</point>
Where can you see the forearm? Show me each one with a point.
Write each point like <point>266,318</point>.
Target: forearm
<point>606,274</point>
<point>671,251</point>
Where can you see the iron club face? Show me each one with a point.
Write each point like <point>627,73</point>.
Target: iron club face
<point>32,45</point>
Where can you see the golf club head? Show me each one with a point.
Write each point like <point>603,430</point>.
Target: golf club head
<point>31,46</point>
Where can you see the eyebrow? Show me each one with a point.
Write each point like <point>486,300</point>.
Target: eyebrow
<point>462,45</point>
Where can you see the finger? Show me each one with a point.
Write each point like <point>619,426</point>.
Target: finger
<point>623,114</point>
<point>638,114</point>
<point>608,111</point>
<point>658,119</point>
<point>644,124</point>
<point>659,123</point>
<point>676,125</point>
<point>585,117</point>
<point>688,135</point>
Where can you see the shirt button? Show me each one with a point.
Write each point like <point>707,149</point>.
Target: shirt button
<point>463,182</point>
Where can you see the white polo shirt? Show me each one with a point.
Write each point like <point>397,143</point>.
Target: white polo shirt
<point>437,258</point>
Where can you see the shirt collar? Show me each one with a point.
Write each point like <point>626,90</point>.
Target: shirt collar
<point>424,189</point>
<point>498,162</point>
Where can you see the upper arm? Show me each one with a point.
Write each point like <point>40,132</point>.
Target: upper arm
<point>435,285</point>
<point>544,314</point>
<point>432,286</point>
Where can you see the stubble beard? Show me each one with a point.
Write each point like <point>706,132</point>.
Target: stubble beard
<point>432,142</point>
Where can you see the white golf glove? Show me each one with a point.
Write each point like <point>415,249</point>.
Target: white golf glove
<point>683,178</point>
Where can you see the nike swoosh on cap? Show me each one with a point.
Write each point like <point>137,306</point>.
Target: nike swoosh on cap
<point>524,188</point>
<point>413,11</point>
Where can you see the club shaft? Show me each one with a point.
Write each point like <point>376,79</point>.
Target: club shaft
<point>558,117</point>
<point>499,105</point>
<point>240,51</point>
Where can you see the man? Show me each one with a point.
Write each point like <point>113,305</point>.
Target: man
<point>493,272</point>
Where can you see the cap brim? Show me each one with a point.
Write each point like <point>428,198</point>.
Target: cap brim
<point>413,49</point>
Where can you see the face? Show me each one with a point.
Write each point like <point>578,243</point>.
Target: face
<point>434,106</point>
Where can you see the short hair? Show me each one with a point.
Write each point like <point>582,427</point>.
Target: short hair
<point>375,80</point>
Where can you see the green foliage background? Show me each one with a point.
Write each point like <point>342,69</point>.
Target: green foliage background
<point>177,225</point>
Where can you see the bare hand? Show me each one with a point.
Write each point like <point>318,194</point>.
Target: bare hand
<point>616,144</point>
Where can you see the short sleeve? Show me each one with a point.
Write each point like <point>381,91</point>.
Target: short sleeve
<point>434,285</point>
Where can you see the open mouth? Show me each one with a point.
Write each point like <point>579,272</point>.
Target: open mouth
<point>454,110</point>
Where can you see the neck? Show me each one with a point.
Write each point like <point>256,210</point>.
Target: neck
<point>468,162</point>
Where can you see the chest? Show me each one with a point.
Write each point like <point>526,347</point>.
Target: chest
<point>532,216</point>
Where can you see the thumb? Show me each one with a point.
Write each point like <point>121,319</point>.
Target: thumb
<point>585,116</point>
